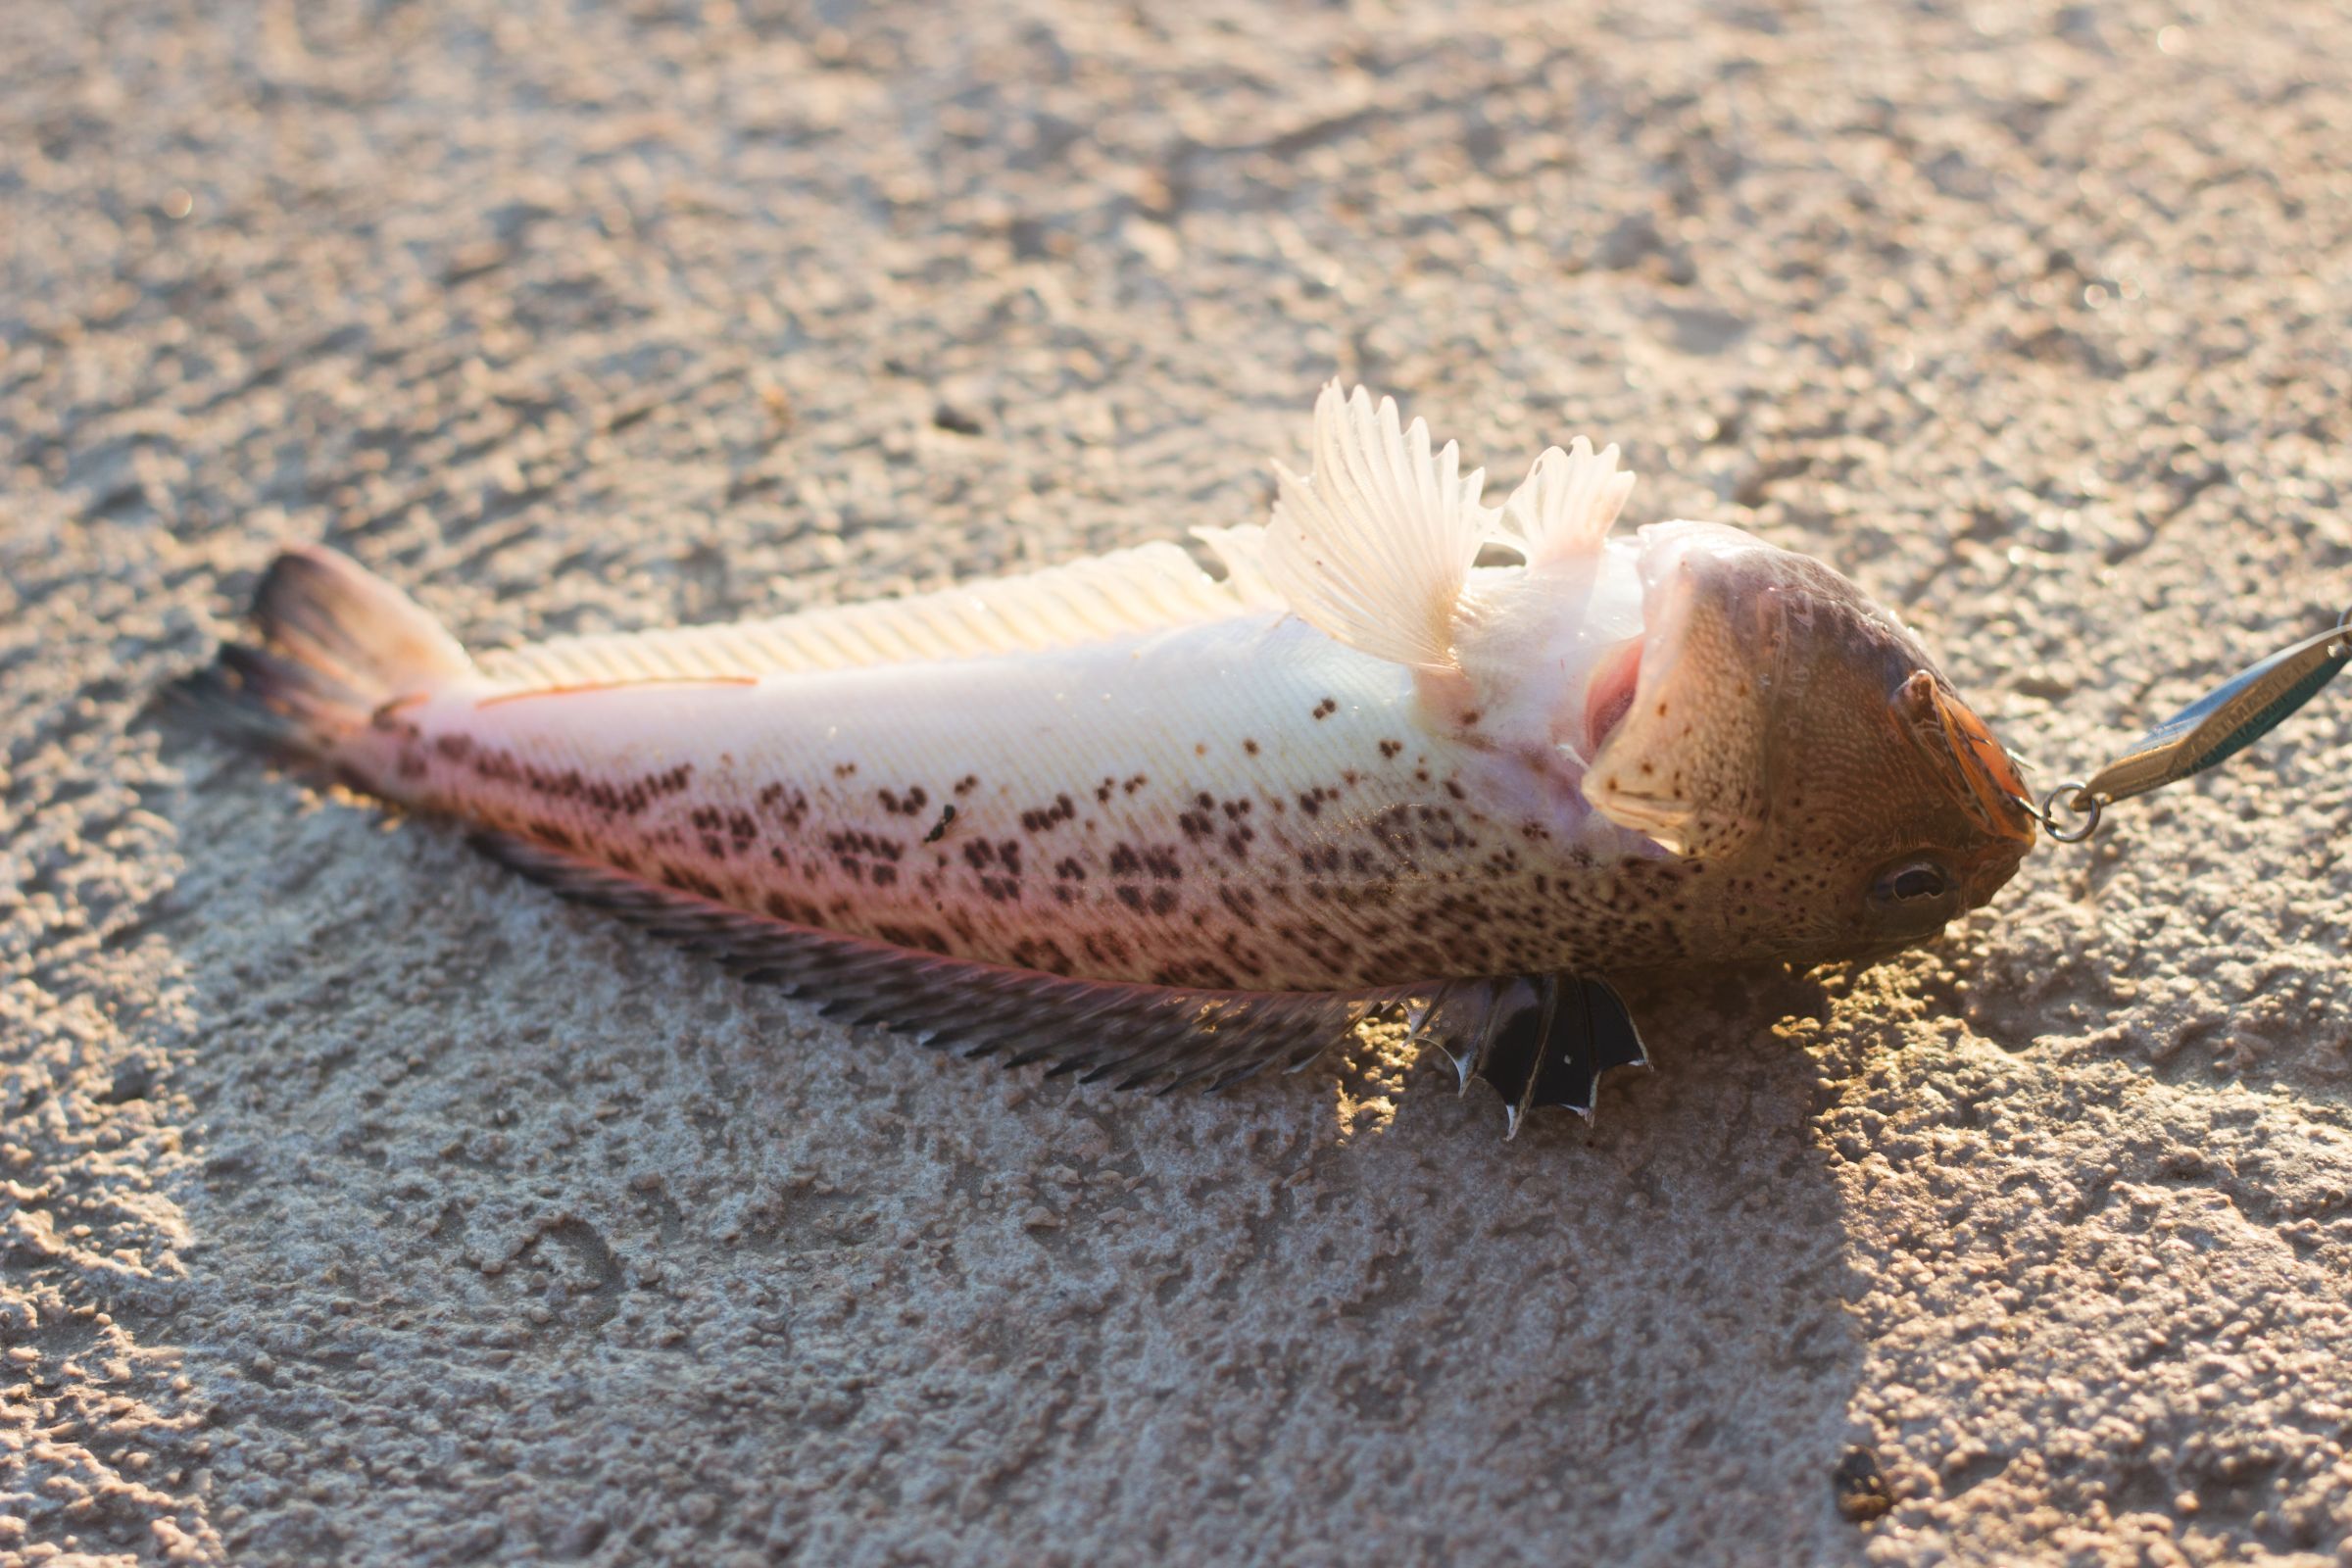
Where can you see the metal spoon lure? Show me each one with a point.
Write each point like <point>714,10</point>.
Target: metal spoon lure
<point>2216,727</point>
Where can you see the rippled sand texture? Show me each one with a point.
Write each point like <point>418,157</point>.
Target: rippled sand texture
<point>363,1204</point>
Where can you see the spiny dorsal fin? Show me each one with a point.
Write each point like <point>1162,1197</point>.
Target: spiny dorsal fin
<point>1567,503</point>
<point>1132,1034</point>
<point>1540,1041</point>
<point>1374,548</point>
<point>1143,589</point>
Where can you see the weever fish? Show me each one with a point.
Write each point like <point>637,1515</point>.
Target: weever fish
<point>1150,824</point>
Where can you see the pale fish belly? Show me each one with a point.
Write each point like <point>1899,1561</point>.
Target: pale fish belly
<point>1239,804</point>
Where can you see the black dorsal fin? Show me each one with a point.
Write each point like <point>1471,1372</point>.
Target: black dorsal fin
<point>1541,1042</point>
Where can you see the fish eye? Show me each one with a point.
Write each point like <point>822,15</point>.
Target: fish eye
<point>1921,879</point>
<point>1918,888</point>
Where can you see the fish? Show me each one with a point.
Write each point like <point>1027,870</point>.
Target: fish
<point>1148,822</point>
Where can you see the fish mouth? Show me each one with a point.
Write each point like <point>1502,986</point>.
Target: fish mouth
<point>1984,779</point>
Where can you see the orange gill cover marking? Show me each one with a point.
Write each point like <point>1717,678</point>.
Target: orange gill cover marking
<point>1985,763</point>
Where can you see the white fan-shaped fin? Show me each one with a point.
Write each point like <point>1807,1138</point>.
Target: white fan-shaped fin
<point>1567,505</point>
<point>1373,548</point>
<point>1242,551</point>
<point>1145,588</point>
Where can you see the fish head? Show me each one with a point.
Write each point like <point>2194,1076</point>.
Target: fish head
<point>1781,729</point>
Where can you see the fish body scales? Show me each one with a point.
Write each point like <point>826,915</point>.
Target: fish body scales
<point>1242,803</point>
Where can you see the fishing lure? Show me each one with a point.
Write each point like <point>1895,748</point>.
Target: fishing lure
<point>2208,732</point>
<point>1151,825</point>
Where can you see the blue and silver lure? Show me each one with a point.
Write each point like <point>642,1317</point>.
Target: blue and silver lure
<point>2209,731</point>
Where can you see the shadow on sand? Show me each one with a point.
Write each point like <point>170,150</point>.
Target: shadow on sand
<point>502,1188</point>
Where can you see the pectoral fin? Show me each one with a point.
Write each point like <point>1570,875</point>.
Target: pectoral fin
<point>1373,548</point>
<point>1567,505</point>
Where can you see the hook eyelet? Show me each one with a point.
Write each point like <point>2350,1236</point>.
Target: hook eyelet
<point>2060,818</point>
<point>2082,821</point>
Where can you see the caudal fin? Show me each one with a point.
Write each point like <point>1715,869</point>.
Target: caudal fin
<point>334,643</point>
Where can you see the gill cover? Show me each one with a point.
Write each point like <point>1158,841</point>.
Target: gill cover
<point>1686,765</point>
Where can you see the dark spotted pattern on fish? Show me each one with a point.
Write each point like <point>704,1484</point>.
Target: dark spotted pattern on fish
<point>1358,761</point>
<point>1352,879</point>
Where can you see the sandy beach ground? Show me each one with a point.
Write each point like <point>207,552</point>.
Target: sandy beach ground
<point>361,1204</point>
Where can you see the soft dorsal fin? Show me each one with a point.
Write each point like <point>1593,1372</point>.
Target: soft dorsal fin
<point>1567,503</point>
<point>1374,548</point>
<point>1145,589</point>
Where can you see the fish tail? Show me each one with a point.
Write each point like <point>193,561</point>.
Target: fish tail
<point>334,644</point>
